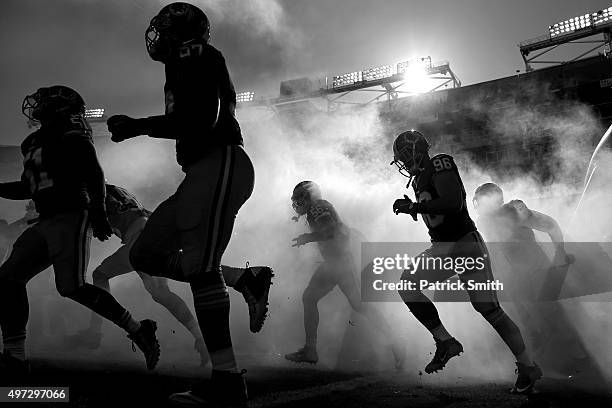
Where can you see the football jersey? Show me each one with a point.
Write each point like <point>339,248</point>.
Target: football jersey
<point>122,208</point>
<point>186,81</point>
<point>442,227</point>
<point>323,218</point>
<point>60,167</point>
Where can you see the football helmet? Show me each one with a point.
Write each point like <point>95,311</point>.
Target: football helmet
<point>409,150</point>
<point>176,25</point>
<point>304,194</point>
<point>47,103</point>
<point>488,197</point>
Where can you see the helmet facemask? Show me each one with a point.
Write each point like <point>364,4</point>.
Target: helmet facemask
<point>408,160</point>
<point>300,201</point>
<point>304,194</point>
<point>47,104</point>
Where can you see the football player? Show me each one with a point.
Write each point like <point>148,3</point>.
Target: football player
<point>61,174</point>
<point>337,269</point>
<point>441,201</point>
<point>513,224</point>
<point>127,218</point>
<point>187,234</point>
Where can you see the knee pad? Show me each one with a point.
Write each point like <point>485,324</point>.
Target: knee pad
<point>489,310</point>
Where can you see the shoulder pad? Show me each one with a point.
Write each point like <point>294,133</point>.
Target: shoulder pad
<point>442,162</point>
<point>321,208</point>
<point>322,204</point>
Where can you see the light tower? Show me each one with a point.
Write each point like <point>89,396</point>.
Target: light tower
<point>591,32</point>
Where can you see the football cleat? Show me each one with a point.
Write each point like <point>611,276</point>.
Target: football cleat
<point>88,339</point>
<point>255,289</point>
<point>225,389</point>
<point>526,379</point>
<point>304,355</point>
<point>445,350</point>
<point>147,342</point>
<point>200,347</point>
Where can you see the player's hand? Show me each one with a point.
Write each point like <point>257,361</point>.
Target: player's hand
<point>300,240</point>
<point>562,258</point>
<point>100,226</point>
<point>405,206</point>
<point>123,127</point>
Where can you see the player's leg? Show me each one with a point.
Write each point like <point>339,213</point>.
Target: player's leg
<point>161,293</point>
<point>69,238</point>
<point>116,264</point>
<point>28,258</point>
<point>348,285</point>
<point>209,198</point>
<point>425,311</point>
<point>321,283</point>
<point>487,304</point>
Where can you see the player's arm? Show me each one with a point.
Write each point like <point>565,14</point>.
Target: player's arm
<point>547,224</point>
<point>325,230</point>
<point>15,190</point>
<point>450,197</point>
<point>93,175</point>
<point>89,167</point>
<point>165,126</point>
<point>197,108</point>
<point>544,223</point>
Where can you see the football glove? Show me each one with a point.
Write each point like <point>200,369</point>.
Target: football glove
<point>123,127</point>
<point>405,206</point>
<point>100,226</point>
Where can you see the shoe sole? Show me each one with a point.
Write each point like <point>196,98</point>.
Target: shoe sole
<point>439,367</point>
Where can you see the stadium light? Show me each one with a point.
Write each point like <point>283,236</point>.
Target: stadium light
<point>95,113</point>
<point>246,96</point>
<point>602,16</point>
<point>347,79</point>
<point>581,22</point>
<point>404,66</point>
<point>416,79</point>
<point>372,74</point>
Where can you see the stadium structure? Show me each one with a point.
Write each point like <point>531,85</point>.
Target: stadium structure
<point>495,122</point>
